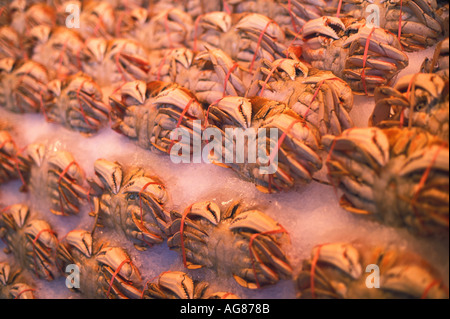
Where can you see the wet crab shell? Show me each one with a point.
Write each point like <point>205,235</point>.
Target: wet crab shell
<point>336,271</point>
<point>287,153</point>
<point>238,243</point>
<point>12,283</point>
<point>419,26</point>
<point>419,100</point>
<point>396,176</point>
<point>32,241</point>
<point>246,38</point>
<point>209,74</point>
<point>151,113</point>
<point>58,49</point>
<point>320,97</point>
<point>114,62</point>
<point>365,57</point>
<point>179,285</point>
<point>22,85</point>
<point>130,201</point>
<point>107,272</point>
<point>77,103</point>
<point>290,15</point>
<point>56,178</point>
<point>10,165</point>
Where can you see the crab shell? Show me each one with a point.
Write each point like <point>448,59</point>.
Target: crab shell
<point>336,270</point>
<point>294,161</point>
<point>419,100</point>
<point>364,57</point>
<point>150,112</point>
<point>246,38</point>
<point>32,241</point>
<point>22,85</point>
<point>130,201</point>
<point>10,165</point>
<point>55,177</point>
<point>10,43</point>
<point>209,74</point>
<point>12,283</point>
<point>77,103</point>
<point>167,29</point>
<point>318,96</point>
<point>107,272</point>
<point>114,62</point>
<point>421,24</point>
<point>179,285</point>
<point>242,244</point>
<point>396,176</point>
<point>25,18</point>
<point>58,49</point>
<point>290,15</point>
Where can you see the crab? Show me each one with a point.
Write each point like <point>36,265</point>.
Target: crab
<point>10,165</point>
<point>210,74</point>
<point>246,38</point>
<point>419,26</point>
<point>10,44</point>
<point>58,49</point>
<point>167,29</point>
<point>439,62</point>
<point>179,285</point>
<point>365,57</point>
<point>245,244</point>
<point>318,96</point>
<point>77,103</point>
<point>397,176</point>
<point>131,201</point>
<point>107,272</point>
<point>25,16</point>
<point>97,19</point>
<point>336,271</point>
<point>31,241</point>
<point>12,283</point>
<point>22,85</point>
<point>419,100</point>
<point>54,177</point>
<point>114,62</point>
<point>150,113</point>
<point>295,146</point>
<point>290,15</point>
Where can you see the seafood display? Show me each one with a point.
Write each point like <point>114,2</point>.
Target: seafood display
<point>326,123</point>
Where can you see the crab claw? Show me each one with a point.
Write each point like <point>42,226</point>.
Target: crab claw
<point>20,214</point>
<point>208,210</point>
<point>179,283</point>
<point>344,256</point>
<point>237,109</point>
<point>82,240</point>
<point>37,153</point>
<point>110,174</point>
<point>330,27</point>
<point>115,257</point>
<point>255,221</point>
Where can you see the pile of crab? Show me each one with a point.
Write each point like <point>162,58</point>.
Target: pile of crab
<point>176,77</point>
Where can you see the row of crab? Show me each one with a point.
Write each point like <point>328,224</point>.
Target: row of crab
<point>334,270</point>
<point>364,163</point>
<point>397,176</point>
<point>121,44</point>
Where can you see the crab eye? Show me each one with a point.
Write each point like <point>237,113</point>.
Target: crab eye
<point>132,196</point>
